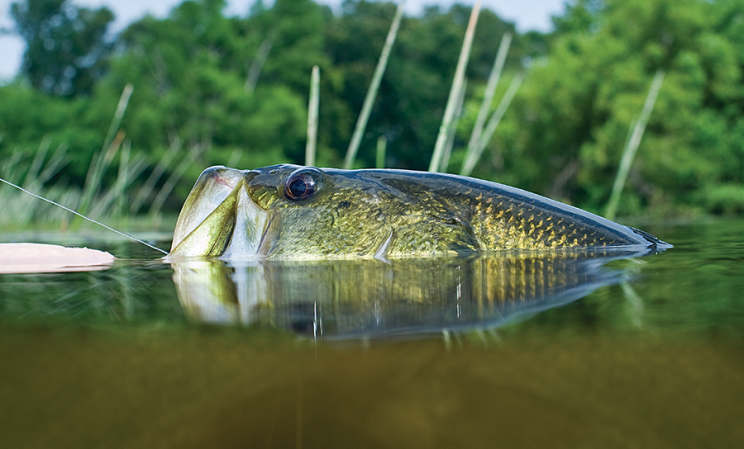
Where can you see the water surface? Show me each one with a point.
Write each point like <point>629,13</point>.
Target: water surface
<point>512,350</point>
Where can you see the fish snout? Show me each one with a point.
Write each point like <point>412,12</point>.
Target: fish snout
<point>208,214</point>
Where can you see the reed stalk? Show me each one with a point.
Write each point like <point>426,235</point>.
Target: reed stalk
<point>101,161</point>
<point>255,70</point>
<point>17,207</point>
<point>56,161</point>
<point>449,111</point>
<point>147,188</point>
<point>452,132</point>
<point>374,85</point>
<point>632,144</point>
<point>312,117</point>
<point>173,179</point>
<point>380,153</point>
<point>107,204</point>
<point>235,157</point>
<point>122,180</point>
<point>493,81</point>
<point>121,108</point>
<point>33,171</point>
<point>9,168</point>
<point>473,156</point>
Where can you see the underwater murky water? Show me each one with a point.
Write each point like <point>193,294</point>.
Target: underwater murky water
<point>509,350</point>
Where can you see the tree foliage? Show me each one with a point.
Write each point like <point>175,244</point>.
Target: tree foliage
<point>189,75</point>
<point>66,46</point>
<point>236,89</point>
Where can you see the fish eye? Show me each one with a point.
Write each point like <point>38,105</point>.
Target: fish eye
<point>303,183</point>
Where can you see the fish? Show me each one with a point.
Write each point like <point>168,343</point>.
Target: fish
<point>296,212</point>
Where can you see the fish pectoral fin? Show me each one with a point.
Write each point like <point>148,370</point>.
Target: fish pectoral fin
<point>269,242</point>
<point>382,250</point>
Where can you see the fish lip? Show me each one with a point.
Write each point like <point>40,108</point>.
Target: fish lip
<point>220,219</point>
<point>214,230</point>
<point>234,230</point>
<point>210,191</point>
<point>250,226</point>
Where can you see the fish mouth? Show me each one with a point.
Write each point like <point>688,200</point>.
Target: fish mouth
<point>219,219</point>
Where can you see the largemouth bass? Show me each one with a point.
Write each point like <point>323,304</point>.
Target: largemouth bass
<point>295,212</point>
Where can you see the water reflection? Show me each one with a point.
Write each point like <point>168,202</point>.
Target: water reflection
<point>370,298</point>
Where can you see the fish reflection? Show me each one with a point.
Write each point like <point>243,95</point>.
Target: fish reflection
<point>370,298</point>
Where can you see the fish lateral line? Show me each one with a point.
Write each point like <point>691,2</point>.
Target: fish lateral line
<point>124,234</point>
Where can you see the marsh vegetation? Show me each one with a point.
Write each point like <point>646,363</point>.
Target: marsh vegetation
<point>121,125</point>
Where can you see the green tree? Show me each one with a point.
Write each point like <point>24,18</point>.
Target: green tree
<point>66,46</point>
<point>565,132</point>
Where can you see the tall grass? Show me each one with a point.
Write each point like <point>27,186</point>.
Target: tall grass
<point>493,81</point>
<point>102,160</point>
<point>94,199</point>
<point>632,144</point>
<point>475,153</point>
<point>20,209</point>
<point>374,85</point>
<point>452,131</point>
<point>255,69</point>
<point>149,186</point>
<point>312,117</point>
<point>457,85</point>
<point>380,152</point>
<point>170,183</point>
<point>35,176</point>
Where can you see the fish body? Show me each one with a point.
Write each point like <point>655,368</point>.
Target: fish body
<point>295,212</point>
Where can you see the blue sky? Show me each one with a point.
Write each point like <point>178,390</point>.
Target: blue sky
<point>527,14</point>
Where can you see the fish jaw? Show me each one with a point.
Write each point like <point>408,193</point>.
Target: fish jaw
<point>249,229</point>
<point>213,187</point>
<point>218,218</point>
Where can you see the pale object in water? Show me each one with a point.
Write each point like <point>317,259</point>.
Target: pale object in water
<point>44,258</point>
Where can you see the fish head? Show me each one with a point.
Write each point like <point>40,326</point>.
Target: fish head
<point>286,211</point>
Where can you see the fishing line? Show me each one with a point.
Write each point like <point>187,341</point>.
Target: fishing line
<point>84,217</point>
